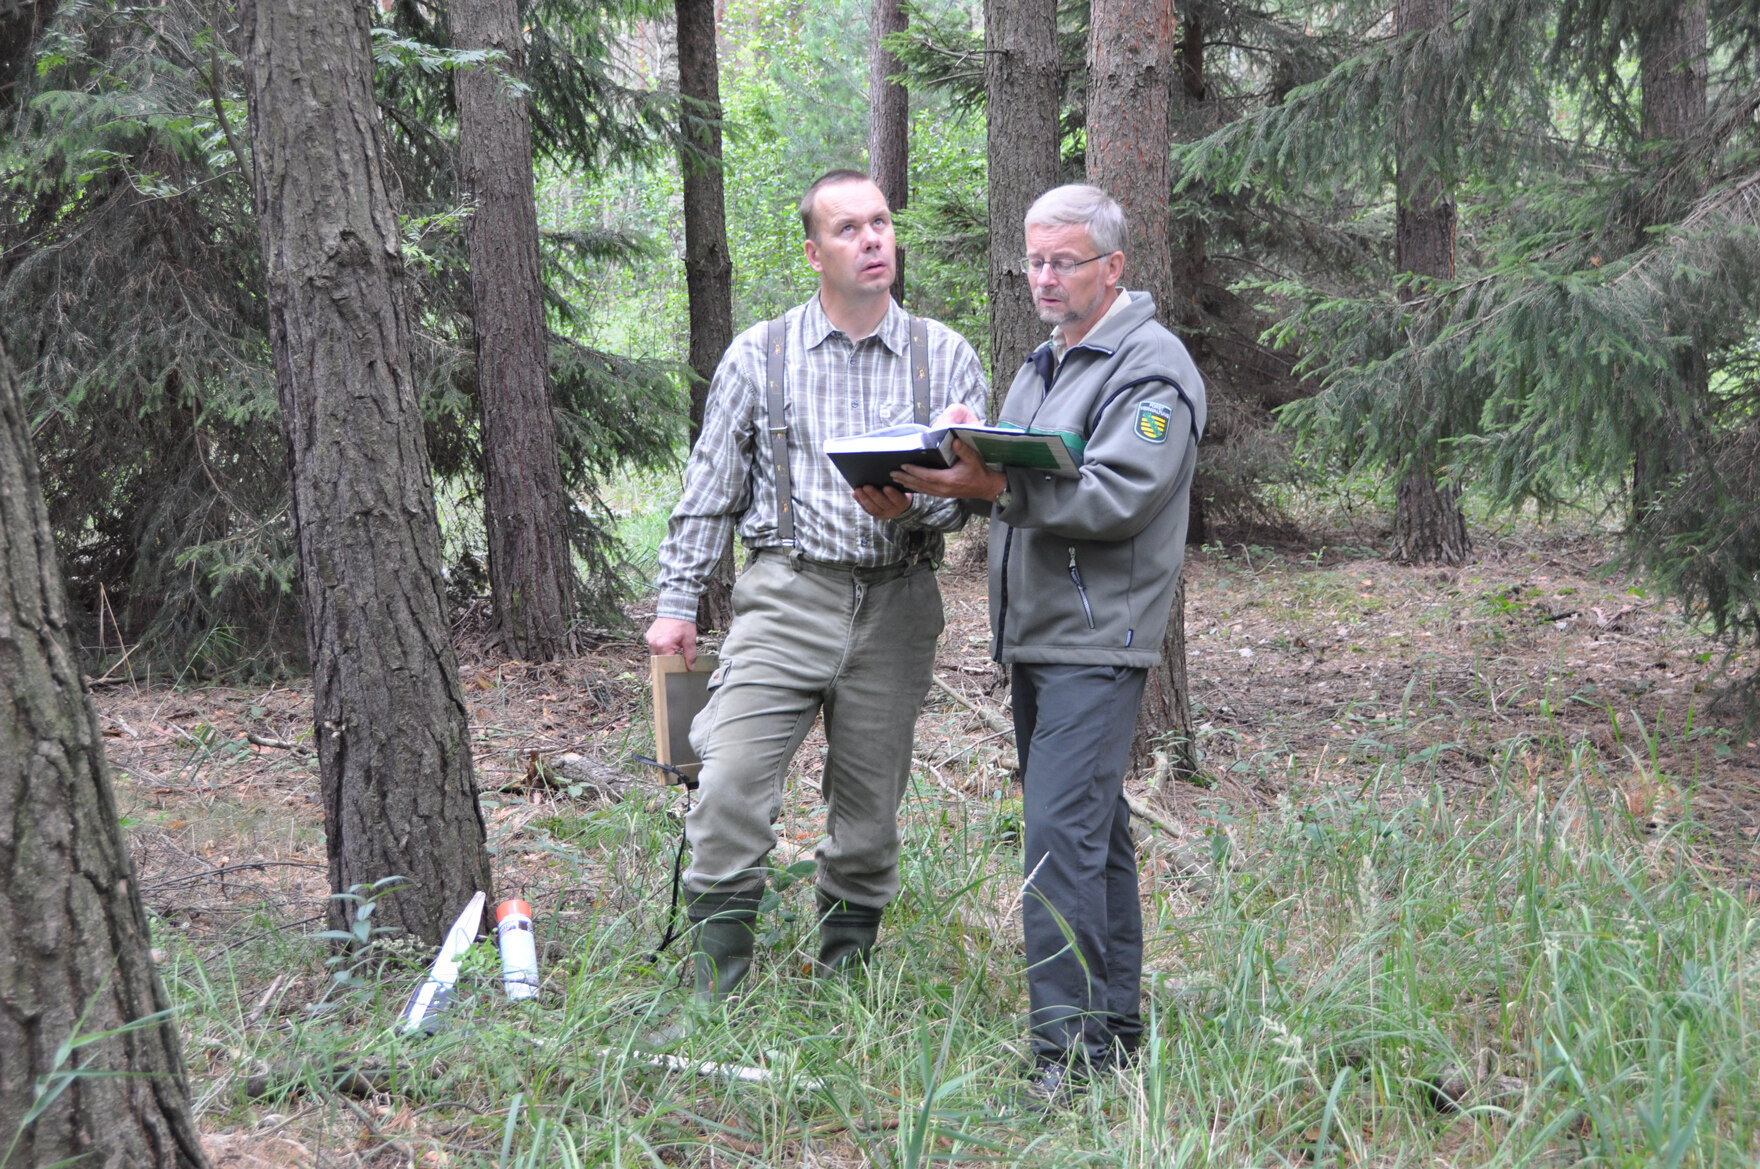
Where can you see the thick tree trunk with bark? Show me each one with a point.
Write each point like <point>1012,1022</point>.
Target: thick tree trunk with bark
<point>1428,524</point>
<point>393,734</point>
<point>1022,87</point>
<point>525,509</point>
<point>889,119</point>
<point>78,958</point>
<point>708,265</point>
<point>1133,65</point>
<point>1673,67</point>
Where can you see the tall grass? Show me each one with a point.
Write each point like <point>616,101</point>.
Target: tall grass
<point>1312,996</point>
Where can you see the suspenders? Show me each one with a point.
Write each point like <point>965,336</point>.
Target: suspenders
<point>776,402</point>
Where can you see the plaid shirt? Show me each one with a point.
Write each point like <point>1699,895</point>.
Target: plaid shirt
<point>833,388</point>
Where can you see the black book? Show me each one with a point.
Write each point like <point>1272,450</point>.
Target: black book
<point>868,460</point>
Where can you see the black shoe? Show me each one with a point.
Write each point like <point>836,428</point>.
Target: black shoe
<point>846,936</point>
<point>1053,1085</point>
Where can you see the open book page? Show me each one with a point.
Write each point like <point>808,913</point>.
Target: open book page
<point>907,436</point>
<point>868,460</point>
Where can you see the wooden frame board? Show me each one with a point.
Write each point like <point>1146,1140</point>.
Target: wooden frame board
<point>678,695</point>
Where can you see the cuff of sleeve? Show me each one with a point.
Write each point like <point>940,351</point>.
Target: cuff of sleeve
<point>677,607</point>
<point>915,511</point>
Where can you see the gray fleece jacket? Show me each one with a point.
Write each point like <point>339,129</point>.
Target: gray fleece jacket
<point>1083,571</point>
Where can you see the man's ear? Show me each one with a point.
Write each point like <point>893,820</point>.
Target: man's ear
<point>812,250</point>
<point>1114,269</point>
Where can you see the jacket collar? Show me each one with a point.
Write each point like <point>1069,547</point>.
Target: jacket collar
<point>894,331</point>
<point>1104,338</point>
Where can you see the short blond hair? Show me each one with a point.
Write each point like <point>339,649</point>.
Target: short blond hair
<point>830,178</point>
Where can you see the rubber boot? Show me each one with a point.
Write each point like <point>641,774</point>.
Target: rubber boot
<point>846,934</point>
<point>723,930</point>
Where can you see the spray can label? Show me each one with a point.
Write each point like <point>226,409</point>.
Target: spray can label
<point>519,949</point>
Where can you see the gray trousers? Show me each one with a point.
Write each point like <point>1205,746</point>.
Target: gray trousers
<point>858,644</point>
<point>1084,922</point>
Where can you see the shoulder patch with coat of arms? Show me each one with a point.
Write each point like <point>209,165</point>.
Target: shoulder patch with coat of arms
<point>1152,420</point>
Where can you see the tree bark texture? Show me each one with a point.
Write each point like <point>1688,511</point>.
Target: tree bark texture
<point>1673,66</point>
<point>1133,64</point>
<point>393,735</point>
<point>1428,524</point>
<point>78,957</point>
<point>525,513</point>
<point>1022,86</point>
<point>889,119</point>
<point>1132,67</point>
<point>708,265</point>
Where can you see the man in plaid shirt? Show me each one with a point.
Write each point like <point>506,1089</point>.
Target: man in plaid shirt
<point>842,620</point>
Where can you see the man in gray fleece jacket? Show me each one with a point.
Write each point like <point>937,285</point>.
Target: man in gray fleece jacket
<point>1082,578</point>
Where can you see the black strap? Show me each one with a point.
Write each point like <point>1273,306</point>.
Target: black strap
<point>671,933</point>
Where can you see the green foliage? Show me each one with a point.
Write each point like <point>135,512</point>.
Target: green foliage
<point>1317,975</point>
<point>132,287</point>
<point>1600,311</point>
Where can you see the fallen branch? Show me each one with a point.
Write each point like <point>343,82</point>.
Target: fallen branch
<point>278,744</point>
<point>1144,812</point>
<point>187,878</point>
<point>250,1020</point>
<point>992,719</point>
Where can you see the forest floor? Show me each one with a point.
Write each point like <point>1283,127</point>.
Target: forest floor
<point>1325,681</point>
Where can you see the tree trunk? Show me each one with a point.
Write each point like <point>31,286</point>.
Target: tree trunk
<point>1673,71</point>
<point>1428,524</point>
<point>1132,67</point>
<point>708,266</point>
<point>393,734</point>
<point>78,957</point>
<point>1022,86</point>
<point>889,120</point>
<point>525,509</point>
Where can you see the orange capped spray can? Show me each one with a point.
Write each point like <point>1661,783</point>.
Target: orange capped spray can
<point>519,949</point>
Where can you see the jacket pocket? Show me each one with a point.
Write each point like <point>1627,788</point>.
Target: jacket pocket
<point>1075,574</point>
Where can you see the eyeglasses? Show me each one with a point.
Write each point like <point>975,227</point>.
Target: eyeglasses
<point>1059,268</point>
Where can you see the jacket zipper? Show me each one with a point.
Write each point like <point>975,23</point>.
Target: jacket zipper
<point>1002,599</point>
<point>1075,574</point>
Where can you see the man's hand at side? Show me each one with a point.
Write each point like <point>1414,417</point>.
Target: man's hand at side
<point>668,635</point>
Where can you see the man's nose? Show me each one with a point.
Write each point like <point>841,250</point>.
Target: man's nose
<point>1042,277</point>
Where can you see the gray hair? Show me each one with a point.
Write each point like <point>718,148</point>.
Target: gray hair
<point>1079,205</point>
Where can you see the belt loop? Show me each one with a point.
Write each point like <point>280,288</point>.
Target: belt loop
<point>795,556</point>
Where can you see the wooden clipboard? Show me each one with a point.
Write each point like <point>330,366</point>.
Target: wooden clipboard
<point>678,695</point>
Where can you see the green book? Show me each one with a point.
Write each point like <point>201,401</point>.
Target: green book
<point>1007,447</point>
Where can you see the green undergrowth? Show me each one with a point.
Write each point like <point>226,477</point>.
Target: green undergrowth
<point>1517,974</point>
